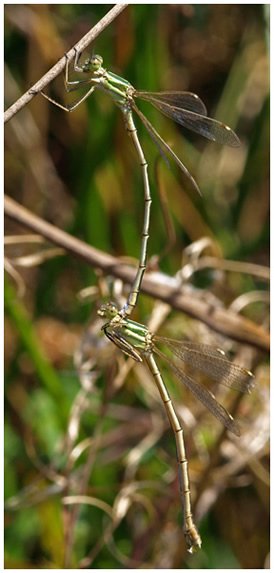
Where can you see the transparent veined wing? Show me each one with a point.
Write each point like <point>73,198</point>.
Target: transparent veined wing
<point>162,145</point>
<point>201,124</point>
<point>211,361</point>
<point>184,100</point>
<point>204,395</point>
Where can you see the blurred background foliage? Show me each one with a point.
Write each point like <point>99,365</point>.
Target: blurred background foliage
<point>79,420</point>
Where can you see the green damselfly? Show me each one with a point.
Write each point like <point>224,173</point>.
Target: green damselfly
<point>185,108</point>
<point>136,341</point>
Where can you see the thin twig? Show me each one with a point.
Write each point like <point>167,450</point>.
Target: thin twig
<point>57,68</point>
<point>154,284</point>
<point>256,270</point>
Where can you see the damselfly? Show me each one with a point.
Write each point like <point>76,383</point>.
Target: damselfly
<point>136,341</point>
<point>185,108</point>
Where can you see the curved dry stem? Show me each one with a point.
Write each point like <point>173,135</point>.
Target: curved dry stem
<point>155,285</point>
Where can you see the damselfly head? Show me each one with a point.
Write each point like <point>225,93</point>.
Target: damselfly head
<point>108,310</point>
<point>93,64</point>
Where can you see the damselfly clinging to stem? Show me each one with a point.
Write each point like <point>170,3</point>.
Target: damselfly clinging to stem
<point>139,343</point>
<point>185,108</point>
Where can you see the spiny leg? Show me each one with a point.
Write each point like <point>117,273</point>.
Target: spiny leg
<point>76,60</point>
<point>77,69</point>
<point>74,85</point>
<point>71,86</point>
<point>73,105</point>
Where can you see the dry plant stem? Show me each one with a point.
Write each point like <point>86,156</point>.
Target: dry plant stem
<point>55,70</point>
<point>83,487</point>
<point>218,318</point>
<point>73,515</point>
<point>234,266</point>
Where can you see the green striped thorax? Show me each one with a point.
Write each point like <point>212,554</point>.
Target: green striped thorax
<point>118,88</point>
<point>132,338</point>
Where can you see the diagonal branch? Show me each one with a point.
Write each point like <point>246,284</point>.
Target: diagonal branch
<point>156,285</point>
<point>55,70</point>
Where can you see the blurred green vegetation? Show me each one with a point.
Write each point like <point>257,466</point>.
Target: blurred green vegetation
<point>79,172</point>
